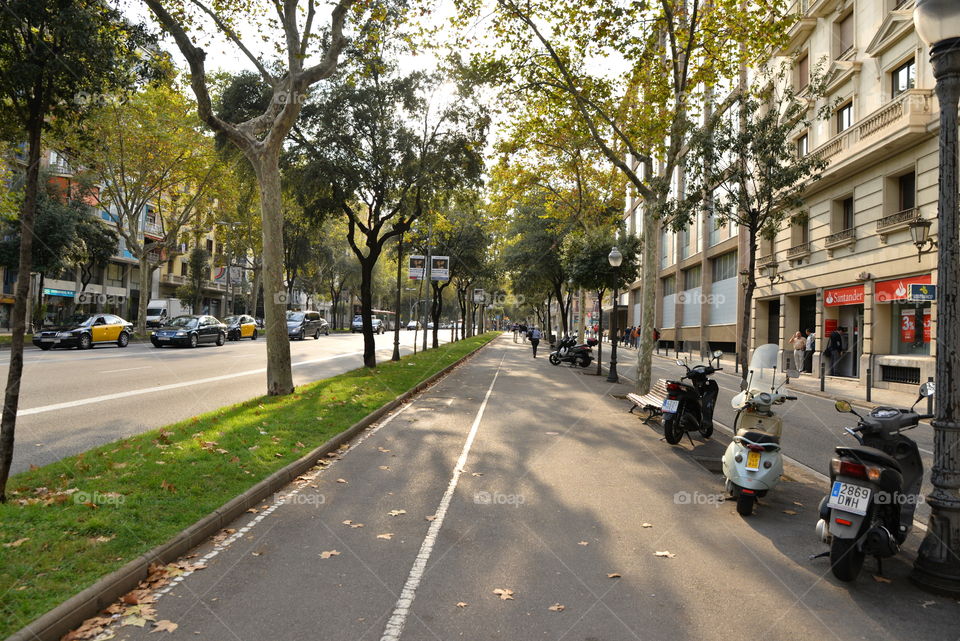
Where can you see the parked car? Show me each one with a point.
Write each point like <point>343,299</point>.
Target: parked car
<point>84,331</point>
<point>190,330</point>
<point>161,310</point>
<point>357,325</point>
<point>242,326</point>
<point>412,325</point>
<point>308,323</point>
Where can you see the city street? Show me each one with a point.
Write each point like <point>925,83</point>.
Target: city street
<point>71,401</point>
<point>516,496</point>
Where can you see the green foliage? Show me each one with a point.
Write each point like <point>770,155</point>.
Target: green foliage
<point>96,243</point>
<point>198,269</point>
<point>586,258</point>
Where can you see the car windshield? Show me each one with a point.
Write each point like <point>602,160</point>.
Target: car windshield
<point>184,321</point>
<point>154,311</point>
<point>231,319</point>
<point>294,317</point>
<point>80,320</point>
<point>358,319</point>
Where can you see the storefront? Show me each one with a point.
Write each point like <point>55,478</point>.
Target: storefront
<point>904,331</point>
<point>59,303</point>
<point>843,313</point>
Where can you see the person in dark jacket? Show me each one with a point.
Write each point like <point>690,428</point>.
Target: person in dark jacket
<point>835,348</point>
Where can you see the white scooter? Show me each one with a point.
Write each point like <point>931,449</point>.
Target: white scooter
<point>752,464</point>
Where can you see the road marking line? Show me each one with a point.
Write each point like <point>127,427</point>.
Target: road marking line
<point>125,369</point>
<point>164,388</point>
<point>401,611</point>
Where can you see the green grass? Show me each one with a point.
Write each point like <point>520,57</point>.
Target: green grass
<point>142,490</point>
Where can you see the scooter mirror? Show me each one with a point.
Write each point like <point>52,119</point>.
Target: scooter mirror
<point>843,406</point>
<point>718,353</point>
<point>928,389</point>
<point>680,362</point>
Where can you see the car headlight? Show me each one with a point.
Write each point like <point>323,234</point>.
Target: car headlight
<point>181,333</point>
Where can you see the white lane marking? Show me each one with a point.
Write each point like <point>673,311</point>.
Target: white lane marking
<point>164,388</point>
<point>401,611</point>
<point>125,369</point>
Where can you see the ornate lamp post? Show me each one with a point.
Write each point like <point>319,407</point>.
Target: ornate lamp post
<point>614,258</point>
<point>937,567</point>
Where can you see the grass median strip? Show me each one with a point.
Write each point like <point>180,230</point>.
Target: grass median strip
<point>69,523</point>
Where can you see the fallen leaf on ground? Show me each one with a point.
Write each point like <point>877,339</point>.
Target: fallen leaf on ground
<point>326,554</point>
<point>134,620</point>
<point>556,607</point>
<point>613,575</point>
<point>386,535</point>
<point>17,543</point>
<point>461,604</point>
<point>665,554</point>
<point>583,543</point>
<point>253,510</point>
<point>384,467</point>
<point>881,579</point>
<point>169,487</point>
<point>380,449</point>
<point>798,503</point>
<point>164,626</point>
<point>476,473</point>
<point>341,480</point>
<point>432,517</point>
<point>646,525</point>
<point>551,433</point>
<point>927,604</point>
<point>505,594</point>
<point>791,512</point>
<point>396,512</point>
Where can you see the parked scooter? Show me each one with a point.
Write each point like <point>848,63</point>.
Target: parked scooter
<point>689,407</point>
<point>752,463</point>
<point>874,488</point>
<point>576,355</point>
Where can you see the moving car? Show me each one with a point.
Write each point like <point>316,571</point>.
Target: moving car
<point>413,325</point>
<point>357,325</point>
<point>84,331</point>
<point>241,326</point>
<point>308,323</point>
<point>190,330</point>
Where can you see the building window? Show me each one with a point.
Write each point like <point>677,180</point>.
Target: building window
<point>114,275</point>
<point>844,215</point>
<point>843,32</point>
<point>669,286</point>
<point>845,117</point>
<point>803,145</point>
<point>907,191</point>
<point>911,328</point>
<point>725,267</point>
<point>691,278</point>
<point>802,69</point>
<point>903,78</point>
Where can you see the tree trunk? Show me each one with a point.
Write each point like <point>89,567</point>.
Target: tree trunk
<point>746,314</point>
<point>366,305</point>
<point>11,401</point>
<point>648,313</point>
<point>255,290</point>
<point>279,372</point>
<point>581,326</point>
<point>435,311</point>
<point>396,324</point>
<point>145,276</point>
<point>599,332</point>
<point>549,305</point>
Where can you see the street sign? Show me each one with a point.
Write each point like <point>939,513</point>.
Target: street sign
<point>416,267</point>
<point>440,268</point>
<point>921,292</point>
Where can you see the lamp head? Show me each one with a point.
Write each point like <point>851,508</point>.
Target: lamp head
<point>615,257</point>
<point>937,21</point>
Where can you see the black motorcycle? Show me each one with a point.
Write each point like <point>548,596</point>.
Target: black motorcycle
<point>689,406</point>
<point>874,488</point>
<point>575,355</point>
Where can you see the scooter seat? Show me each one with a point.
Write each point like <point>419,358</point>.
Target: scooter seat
<point>869,454</point>
<point>759,437</point>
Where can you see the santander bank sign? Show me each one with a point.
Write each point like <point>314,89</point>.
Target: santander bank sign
<point>843,296</point>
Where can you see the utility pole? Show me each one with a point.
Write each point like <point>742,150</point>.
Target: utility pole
<point>396,316</point>
<point>427,276</point>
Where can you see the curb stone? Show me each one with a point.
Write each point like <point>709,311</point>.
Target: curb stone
<point>52,625</point>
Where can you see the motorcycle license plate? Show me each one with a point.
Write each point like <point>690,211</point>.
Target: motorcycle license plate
<point>753,461</point>
<point>670,405</point>
<point>849,497</point>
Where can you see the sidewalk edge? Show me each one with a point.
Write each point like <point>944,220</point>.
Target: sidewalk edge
<point>52,625</point>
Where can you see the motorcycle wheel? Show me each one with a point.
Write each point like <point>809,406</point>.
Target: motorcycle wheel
<point>584,361</point>
<point>554,359</point>
<point>671,428</point>
<point>706,431</point>
<point>845,559</point>
<point>745,503</point>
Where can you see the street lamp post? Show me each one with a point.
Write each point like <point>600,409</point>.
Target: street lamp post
<point>614,258</point>
<point>937,567</point>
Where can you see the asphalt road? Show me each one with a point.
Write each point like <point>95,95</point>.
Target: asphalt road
<point>71,401</point>
<point>514,500</point>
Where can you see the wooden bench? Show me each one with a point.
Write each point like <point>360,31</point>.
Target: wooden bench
<point>651,402</point>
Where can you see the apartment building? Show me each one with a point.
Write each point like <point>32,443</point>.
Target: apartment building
<point>850,261</point>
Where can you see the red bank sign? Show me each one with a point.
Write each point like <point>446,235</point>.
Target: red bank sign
<point>889,291</point>
<point>843,296</point>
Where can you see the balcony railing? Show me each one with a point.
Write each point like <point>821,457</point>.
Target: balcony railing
<point>909,113</point>
<point>842,237</point>
<point>153,229</point>
<point>174,279</point>
<point>769,259</point>
<point>799,251</point>
<point>896,222</point>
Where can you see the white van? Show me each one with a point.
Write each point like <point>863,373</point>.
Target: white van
<point>162,310</point>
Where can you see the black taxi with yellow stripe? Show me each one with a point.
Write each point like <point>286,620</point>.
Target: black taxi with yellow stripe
<point>84,331</point>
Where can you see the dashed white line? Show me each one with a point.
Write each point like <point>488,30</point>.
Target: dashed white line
<point>125,369</point>
<point>401,611</point>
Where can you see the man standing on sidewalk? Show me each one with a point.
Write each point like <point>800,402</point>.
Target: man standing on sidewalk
<point>534,340</point>
<point>808,351</point>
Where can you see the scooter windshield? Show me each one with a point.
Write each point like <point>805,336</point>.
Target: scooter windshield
<point>764,374</point>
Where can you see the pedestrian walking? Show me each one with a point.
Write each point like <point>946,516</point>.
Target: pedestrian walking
<point>534,340</point>
<point>523,332</point>
<point>799,344</point>
<point>835,348</point>
<point>634,336</point>
<point>516,330</point>
<point>809,348</point>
